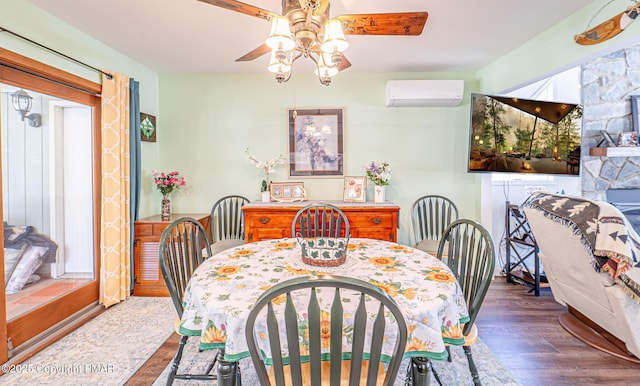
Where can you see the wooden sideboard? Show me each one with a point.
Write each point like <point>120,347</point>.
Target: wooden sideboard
<point>148,279</point>
<point>272,220</point>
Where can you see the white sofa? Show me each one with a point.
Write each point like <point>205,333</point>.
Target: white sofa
<point>568,262</point>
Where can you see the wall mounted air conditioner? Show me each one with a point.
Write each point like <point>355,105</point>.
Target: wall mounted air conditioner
<point>423,93</point>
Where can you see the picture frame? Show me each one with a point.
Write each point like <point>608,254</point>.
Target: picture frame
<point>355,189</point>
<point>316,142</point>
<point>635,114</point>
<point>287,191</point>
<point>627,139</point>
<point>148,127</point>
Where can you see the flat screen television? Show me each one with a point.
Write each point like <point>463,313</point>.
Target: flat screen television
<point>515,135</point>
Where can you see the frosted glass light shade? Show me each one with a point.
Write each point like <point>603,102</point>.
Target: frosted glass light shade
<point>326,68</point>
<point>334,39</point>
<point>280,35</point>
<point>278,64</point>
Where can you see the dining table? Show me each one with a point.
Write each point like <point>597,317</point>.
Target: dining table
<point>224,288</point>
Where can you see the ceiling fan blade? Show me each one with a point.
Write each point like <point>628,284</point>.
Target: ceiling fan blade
<point>406,23</point>
<point>247,9</point>
<point>258,52</point>
<point>324,4</point>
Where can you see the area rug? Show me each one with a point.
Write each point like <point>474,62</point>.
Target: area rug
<point>456,372</point>
<point>108,350</point>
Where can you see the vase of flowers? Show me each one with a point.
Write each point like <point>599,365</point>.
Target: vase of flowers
<point>167,183</point>
<point>269,167</point>
<point>380,174</point>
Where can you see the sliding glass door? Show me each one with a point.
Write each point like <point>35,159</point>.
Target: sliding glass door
<point>47,197</point>
<point>50,157</point>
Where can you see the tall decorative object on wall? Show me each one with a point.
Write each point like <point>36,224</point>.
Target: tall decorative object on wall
<point>635,113</point>
<point>316,147</point>
<point>148,127</point>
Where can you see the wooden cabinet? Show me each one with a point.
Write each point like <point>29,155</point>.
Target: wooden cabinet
<point>272,220</point>
<point>148,279</point>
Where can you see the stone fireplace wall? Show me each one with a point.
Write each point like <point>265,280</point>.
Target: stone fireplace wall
<point>607,84</point>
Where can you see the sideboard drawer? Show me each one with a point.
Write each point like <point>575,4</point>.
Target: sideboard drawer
<point>143,229</point>
<point>269,220</point>
<point>379,233</point>
<point>273,220</point>
<point>371,220</point>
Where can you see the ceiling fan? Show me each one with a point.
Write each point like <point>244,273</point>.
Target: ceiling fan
<point>305,29</point>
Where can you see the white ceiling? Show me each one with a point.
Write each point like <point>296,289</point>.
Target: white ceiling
<point>189,36</point>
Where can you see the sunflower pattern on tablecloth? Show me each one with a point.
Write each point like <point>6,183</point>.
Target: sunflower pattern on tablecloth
<point>224,288</point>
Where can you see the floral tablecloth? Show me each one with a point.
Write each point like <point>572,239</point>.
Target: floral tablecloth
<point>223,289</point>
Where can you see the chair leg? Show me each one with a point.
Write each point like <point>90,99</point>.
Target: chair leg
<point>418,372</point>
<point>176,360</point>
<point>472,366</point>
<point>435,373</point>
<point>227,373</point>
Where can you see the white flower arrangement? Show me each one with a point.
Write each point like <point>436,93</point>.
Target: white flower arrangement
<point>378,172</point>
<point>269,167</point>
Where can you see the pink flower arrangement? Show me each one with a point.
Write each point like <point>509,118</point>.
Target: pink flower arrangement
<point>167,182</point>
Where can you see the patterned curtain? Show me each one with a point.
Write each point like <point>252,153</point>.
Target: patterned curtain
<point>115,264</point>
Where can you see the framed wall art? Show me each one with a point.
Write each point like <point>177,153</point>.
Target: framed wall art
<point>355,189</point>
<point>147,127</point>
<point>316,144</point>
<point>627,138</point>
<point>287,191</point>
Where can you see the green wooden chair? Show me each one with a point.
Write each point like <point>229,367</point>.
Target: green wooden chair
<point>181,252</point>
<point>320,220</point>
<point>293,369</point>
<point>467,248</point>
<point>430,216</point>
<point>227,223</point>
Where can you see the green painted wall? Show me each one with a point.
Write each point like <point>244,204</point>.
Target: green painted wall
<point>209,120</point>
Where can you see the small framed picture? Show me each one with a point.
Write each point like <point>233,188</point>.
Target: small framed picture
<point>147,127</point>
<point>287,191</point>
<point>628,138</point>
<point>355,189</point>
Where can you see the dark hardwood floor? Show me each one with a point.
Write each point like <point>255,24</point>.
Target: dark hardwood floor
<point>523,332</point>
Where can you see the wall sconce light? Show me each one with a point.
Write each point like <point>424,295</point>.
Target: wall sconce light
<point>22,104</point>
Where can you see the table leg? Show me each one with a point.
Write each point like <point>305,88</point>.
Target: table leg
<point>227,372</point>
<point>420,372</point>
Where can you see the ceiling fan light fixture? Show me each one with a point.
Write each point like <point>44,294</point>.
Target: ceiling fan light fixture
<point>334,39</point>
<point>279,62</point>
<point>326,67</point>
<point>280,35</point>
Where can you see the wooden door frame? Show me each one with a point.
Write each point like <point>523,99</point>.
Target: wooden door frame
<point>21,71</point>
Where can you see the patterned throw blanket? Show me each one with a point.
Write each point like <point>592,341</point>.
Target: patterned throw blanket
<point>604,231</point>
<point>17,236</point>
